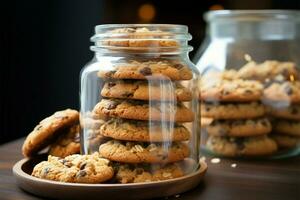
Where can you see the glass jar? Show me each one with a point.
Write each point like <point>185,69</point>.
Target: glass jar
<point>250,89</point>
<point>139,101</point>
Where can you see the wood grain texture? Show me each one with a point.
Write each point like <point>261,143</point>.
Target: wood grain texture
<point>253,180</point>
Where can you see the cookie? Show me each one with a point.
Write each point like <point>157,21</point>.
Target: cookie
<point>47,130</point>
<point>129,173</point>
<point>139,37</point>
<point>286,141</point>
<point>75,169</point>
<point>232,110</point>
<point>287,127</point>
<point>141,110</point>
<point>131,130</point>
<point>268,70</point>
<point>241,146</point>
<point>159,69</point>
<point>143,90</point>
<point>138,152</point>
<point>67,144</point>
<point>231,90</point>
<point>283,92</point>
<point>291,112</point>
<point>238,128</point>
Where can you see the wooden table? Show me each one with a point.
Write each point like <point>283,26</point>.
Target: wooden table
<point>253,180</point>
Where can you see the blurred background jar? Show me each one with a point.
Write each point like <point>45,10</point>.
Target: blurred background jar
<point>139,100</point>
<point>250,92</point>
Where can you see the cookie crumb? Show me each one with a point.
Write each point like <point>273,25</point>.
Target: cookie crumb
<point>215,160</point>
<point>233,165</point>
<point>248,57</point>
<point>177,196</point>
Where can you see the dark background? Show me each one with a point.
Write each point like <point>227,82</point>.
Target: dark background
<point>44,45</point>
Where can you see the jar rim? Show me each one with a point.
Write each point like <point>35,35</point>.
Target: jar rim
<point>252,15</point>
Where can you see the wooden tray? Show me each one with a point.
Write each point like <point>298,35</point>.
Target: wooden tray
<point>74,191</point>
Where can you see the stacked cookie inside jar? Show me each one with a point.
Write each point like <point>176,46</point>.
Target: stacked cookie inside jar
<point>240,109</point>
<point>144,107</point>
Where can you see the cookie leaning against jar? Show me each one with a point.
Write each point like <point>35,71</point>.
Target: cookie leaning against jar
<point>47,131</point>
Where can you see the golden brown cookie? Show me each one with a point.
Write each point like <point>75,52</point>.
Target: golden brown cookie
<point>139,37</point>
<point>129,173</point>
<point>141,110</point>
<point>67,143</point>
<point>283,92</point>
<point>287,127</point>
<point>131,130</point>
<point>159,69</point>
<point>291,112</point>
<point>75,169</point>
<point>238,128</point>
<point>232,110</point>
<point>48,129</point>
<point>286,141</point>
<point>241,146</point>
<point>236,90</point>
<point>137,152</point>
<point>268,70</point>
<point>143,90</point>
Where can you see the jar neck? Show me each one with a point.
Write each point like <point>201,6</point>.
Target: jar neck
<point>253,25</point>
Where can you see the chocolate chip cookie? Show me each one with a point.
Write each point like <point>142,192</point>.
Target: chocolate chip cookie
<point>131,130</point>
<point>133,152</point>
<point>144,90</point>
<point>48,129</point>
<point>75,169</point>
<point>286,141</point>
<point>291,112</point>
<point>241,146</point>
<point>232,110</point>
<point>287,127</point>
<point>141,110</point>
<point>129,173</point>
<point>230,90</point>
<point>238,128</point>
<point>268,70</point>
<point>160,69</point>
<point>139,37</point>
<point>67,144</point>
<point>283,92</point>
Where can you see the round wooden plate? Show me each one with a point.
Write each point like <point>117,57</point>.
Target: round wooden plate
<point>60,190</point>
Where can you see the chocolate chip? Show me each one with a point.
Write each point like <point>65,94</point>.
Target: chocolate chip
<point>222,132</point>
<point>240,143</point>
<point>82,166</point>
<point>38,127</point>
<point>66,163</point>
<point>112,105</point>
<point>146,71</point>
<point>285,72</point>
<point>111,84</point>
<point>288,90</point>
<point>46,170</point>
<point>178,66</point>
<point>110,73</point>
<point>225,92</point>
<point>264,122</point>
<point>139,171</point>
<point>248,92</point>
<point>207,109</point>
<point>81,173</point>
<point>127,94</point>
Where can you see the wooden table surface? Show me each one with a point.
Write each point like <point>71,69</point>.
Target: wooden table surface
<point>253,180</point>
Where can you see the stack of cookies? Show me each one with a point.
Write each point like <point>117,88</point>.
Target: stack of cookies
<point>283,102</point>
<point>143,107</point>
<point>234,117</point>
<point>281,97</point>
